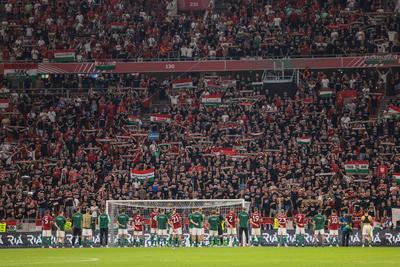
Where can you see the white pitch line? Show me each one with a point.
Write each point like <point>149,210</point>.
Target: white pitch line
<point>48,262</point>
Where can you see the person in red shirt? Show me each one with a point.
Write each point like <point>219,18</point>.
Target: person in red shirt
<point>138,229</point>
<point>47,221</point>
<point>175,221</point>
<point>153,226</point>
<point>255,222</point>
<point>333,224</point>
<point>300,221</point>
<point>231,220</point>
<point>282,233</point>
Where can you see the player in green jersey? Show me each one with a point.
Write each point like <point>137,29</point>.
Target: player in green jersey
<point>213,224</point>
<point>122,222</point>
<point>162,222</point>
<point>197,233</point>
<point>319,223</point>
<point>243,227</point>
<point>77,219</point>
<point>104,222</point>
<point>60,222</point>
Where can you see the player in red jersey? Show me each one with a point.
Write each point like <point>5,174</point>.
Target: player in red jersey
<point>255,222</point>
<point>300,221</point>
<point>282,233</point>
<point>231,220</point>
<point>47,221</point>
<point>138,229</point>
<point>175,223</point>
<point>153,226</point>
<point>334,224</point>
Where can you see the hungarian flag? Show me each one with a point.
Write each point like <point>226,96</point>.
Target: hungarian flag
<point>182,83</point>
<point>118,26</point>
<point>142,174</point>
<point>105,65</point>
<point>160,118</point>
<point>356,167</point>
<point>326,93</point>
<point>21,70</point>
<point>305,140</point>
<point>133,119</point>
<point>392,109</point>
<point>212,99</point>
<point>4,103</point>
<point>396,176</point>
<point>64,55</point>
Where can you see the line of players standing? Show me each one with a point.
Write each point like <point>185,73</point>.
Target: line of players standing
<point>214,223</point>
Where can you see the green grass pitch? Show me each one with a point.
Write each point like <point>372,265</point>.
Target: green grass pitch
<point>204,257</point>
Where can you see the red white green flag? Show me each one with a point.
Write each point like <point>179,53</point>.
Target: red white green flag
<point>212,99</point>
<point>4,103</point>
<point>392,109</point>
<point>304,140</point>
<point>357,167</point>
<point>142,174</point>
<point>182,83</point>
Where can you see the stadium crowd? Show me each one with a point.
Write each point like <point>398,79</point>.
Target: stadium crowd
<point>66,152</point>
<point>131,30</point>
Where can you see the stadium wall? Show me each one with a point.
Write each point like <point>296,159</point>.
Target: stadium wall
<point>33,239</point>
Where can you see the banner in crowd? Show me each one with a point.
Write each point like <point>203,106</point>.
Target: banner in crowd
<point>326,93</point>
<point>269,238</point>
<point>356,167</point>
<point>4,103</point>
<point>64,55</point>
<point>21,69</point>
<point>212,99</point>
<point>393,110</point>
<point>305,140</point>
<point>160,118</point>
<point>396,177</point>
<point>142,174</point>
<point>193,5</point>
<point>182,83</point>
<point>104,66</point>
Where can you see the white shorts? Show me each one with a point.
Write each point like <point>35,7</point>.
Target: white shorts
<point>282,231</point>
<point>197,231</point>
<point>367,230</point>
<point>334,232</point>
<point>122,231</point>
<point>137,233</point>
<point>162,232</point>
<point>213,233</point>
<point>256,231</point>
<point>46,233</point>
<point>86,232</point>
<point>60,233</point>
<point>300,231</point>
<point>319,232</point>
<point>153,231</point>
<point>177,231</point>
<point>231,231</point>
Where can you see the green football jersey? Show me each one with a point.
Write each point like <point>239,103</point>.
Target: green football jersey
<point>104,221</point>
<point>213,220</point>
<point>162,221</point>
<point>319,221</point>
<point>60,222</point>
<point>77,219</point>
<point>243,219</point>
<point>190,222</point>
<point>198,219</point>
<point>123,220</point>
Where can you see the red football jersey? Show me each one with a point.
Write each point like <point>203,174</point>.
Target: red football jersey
<point>300,220</point>
<point>176,221</point>
<point>282,221</point>
<point>334,225</point>
<point>153,221</point>
<point>46,222</point>
<point>138,223</point>
<point>256,218</point>
<point>231,217</point>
